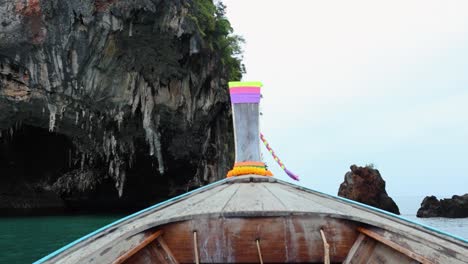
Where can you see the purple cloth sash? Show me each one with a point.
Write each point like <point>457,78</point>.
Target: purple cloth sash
<point>245,98</point>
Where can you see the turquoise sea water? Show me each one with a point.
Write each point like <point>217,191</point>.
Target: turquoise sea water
<point>26,239</point>
<point>409,205</point>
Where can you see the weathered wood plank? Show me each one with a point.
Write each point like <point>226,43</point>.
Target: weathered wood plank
<point>241,235</point>
<point>179,237</point>
<point>305,243</point>
<point>354,249</point>
<point>211,201</point>
<point>362,253</point>
<point>113,251</point>
<point>253,197</point>
<point>433,250</point>
<point>144,256</point>
<point>395,246</point>
<point>155,252</point>
<point>133,251</point>
<point>211,250</point>
<point>383,254</point>
<point>167,253</point>
<point>283,239</point>
<point>293,201</point>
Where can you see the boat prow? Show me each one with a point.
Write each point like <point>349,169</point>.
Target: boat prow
<point>252,218</point>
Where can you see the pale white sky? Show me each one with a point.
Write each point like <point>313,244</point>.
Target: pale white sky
<point>358,82</point>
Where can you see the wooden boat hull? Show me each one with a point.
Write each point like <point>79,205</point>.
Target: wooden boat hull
<point>255,219</point>
<point>233,240</point>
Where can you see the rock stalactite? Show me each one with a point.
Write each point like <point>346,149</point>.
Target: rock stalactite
<point>365,185</point>
<point>110,103</point>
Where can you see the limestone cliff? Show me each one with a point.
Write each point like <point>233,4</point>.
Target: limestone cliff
<point>365,185</point>
<point>111,103</point>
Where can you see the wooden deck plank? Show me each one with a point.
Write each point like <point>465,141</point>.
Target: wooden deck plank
<point>133,251</point>
<point>431,249</point>
<point>383,254</point>
<point>395,246</point>
<point>155,252</point>
<point>112,251</point>
<point>354,249</point>
<point>169,256</point>
<point>362,253</point>
<point>293,201</point>
<point>192,206</point>
<point>255,198</point>
<point>144,256</point>
<point>439,250</point>
<point>212,202</point>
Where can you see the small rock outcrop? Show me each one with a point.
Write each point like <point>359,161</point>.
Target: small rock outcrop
<point>365,185</point>
<point>456,207</point>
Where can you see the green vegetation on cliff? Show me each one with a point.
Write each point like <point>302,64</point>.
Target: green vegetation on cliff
<point>218,33</point>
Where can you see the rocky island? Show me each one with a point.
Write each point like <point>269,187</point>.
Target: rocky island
<point>366,185</point>
<point>112,104</point>
<point>456,207</point>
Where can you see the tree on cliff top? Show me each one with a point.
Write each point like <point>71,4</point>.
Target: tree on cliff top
<point>218,33</point>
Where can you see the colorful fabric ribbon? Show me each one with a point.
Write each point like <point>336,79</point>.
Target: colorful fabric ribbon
<point>245,98</point>
<point>288,172</point>
<point>245,92</point>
